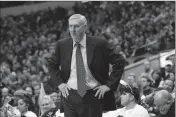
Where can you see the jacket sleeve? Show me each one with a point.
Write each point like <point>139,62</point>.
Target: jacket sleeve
<point>54,68</point>
<point>118,63</point>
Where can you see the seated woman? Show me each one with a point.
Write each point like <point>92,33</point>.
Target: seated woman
<point>24,106</point>
<point>48,108</point>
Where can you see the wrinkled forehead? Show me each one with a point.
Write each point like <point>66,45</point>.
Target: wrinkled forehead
<point>76,21</point>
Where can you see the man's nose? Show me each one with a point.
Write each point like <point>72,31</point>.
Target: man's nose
<point>74,29</point>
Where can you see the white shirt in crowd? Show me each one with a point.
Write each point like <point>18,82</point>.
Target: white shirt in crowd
<point>30,114</point>
<point>58,114</point>
<point>137,111</point>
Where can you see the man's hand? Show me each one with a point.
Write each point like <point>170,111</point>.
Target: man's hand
<point>101,90</point>
<point>64,89</point>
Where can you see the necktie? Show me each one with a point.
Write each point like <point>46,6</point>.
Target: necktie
<point>81,73</point>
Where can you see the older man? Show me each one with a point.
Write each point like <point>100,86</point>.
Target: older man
<point>79,68</point>
<point>164,104</point>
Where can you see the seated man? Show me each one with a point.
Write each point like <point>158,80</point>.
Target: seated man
<point>129,99</point>
<point>164,104</point>
<point>146,85</point>
<point>168,85</point>
<point>147,70</point>
<point>131,80</point>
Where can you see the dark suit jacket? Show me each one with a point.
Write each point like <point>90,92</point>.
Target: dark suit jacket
<point>99,55</point>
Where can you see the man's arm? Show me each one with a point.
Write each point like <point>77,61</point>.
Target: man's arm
<point>54,68</point>
<point>118,64</point>
<point>56,80</point>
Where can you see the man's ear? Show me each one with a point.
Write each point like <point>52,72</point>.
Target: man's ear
<point>27,106</point>
<point>169,102</point>
<point>85,26</point>
<point>131,97</point>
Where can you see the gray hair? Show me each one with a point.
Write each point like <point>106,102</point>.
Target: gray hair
<point>82,18</point>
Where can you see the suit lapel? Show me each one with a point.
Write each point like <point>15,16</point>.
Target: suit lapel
<point>90,46</point>
<point>68,53</point>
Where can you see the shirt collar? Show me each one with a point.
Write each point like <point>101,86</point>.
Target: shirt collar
<point>82,42</point>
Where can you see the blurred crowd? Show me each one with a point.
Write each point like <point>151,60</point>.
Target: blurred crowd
<point>149,83</point>
<point>131,25</point>
<point>28,40</point>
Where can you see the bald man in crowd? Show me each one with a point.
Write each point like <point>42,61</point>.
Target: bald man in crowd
<point>4,93</point>
<point>80,69</point>
<point>164,104</point>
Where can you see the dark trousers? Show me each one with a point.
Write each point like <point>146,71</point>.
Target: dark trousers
<point>77,106</point>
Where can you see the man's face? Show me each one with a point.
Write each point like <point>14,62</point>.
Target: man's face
<point>22,106</point>
<point>37,90</point>
<point>172,76</point>
<point>147,66</point>
<point>155,75</point>
<point>144,82</point>
<point>77,29</point>
<point>125,98</point>
<point>161,106</point>
<point>5,92</point>
<point>54,96</point>
<point>28,90</point>
<point>168,68</point>
<point>168,85</point>
<point>130,80</point>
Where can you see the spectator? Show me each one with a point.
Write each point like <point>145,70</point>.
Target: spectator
<point>167,70</point>
<point>129,99</point>
<point>24,106</point>
<point>146,85</point>
<point>56,97</point>
<point>156,76</point>
<point>30,91</point>
<point>47,107</point>
<point>4,92</point>
<point>147,70</point>
<point>171,76</point>
<point>164,104</point>
<point>168,85</point>
<point>37,90</point>
<point>131,80</point>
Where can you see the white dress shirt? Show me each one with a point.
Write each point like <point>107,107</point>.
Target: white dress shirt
<point>137,111</point>
<point>91,82</point>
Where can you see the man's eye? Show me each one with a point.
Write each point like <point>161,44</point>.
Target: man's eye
<point>76,26</point>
